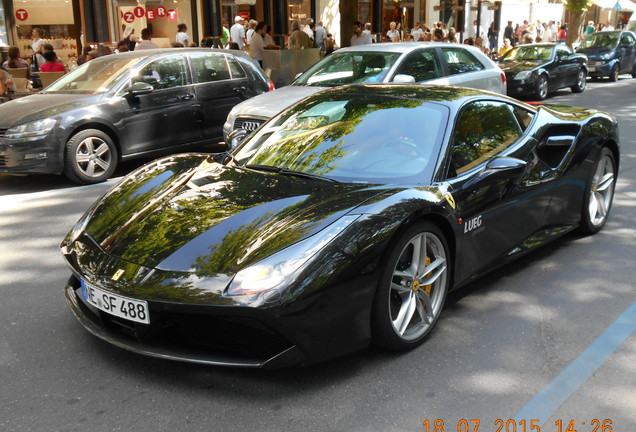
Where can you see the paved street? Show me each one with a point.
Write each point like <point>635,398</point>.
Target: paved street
<point>498,351</point>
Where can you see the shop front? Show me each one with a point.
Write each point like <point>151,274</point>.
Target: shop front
<point>54,19</point>
<point>162,17</point>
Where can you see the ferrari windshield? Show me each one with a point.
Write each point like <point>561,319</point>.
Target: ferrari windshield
<point>541,53</point>
<point>351,138</point>
<point>349,68</point>
<point>600,40</point>
<point>95,76</point>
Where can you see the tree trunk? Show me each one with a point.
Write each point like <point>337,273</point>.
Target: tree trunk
<point>348,15</point>
<point>575,27</point>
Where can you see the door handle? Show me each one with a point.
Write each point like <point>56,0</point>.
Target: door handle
<point>239,89</point>
<point>186,96</point>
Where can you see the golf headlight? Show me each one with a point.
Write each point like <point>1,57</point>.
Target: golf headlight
<point>523,75</point>
<point>607,56</point>
<point>31,129</point>
<point>277,268</point>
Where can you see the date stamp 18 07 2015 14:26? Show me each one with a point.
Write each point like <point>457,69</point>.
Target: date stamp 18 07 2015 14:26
<point>510,425</point>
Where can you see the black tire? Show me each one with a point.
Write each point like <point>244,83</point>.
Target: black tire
<point>599,193</point>
<point>541,91</point>
<point>581,82</point>
<point>400,295</point>
<point>613,76</point>
<point>634,71</point>
<point>90,157</point>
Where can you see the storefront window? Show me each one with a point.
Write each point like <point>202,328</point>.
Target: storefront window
<point>299,10</point>
<point>364,11</point>
<point>55,19</point>
<point>160,16</point>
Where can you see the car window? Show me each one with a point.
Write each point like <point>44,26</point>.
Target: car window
<point>562,51</point>
<point>210,67</point>
<point>349,68</point>
<point>482,130</point>
<point>166,72</point>
<point>421,65</point>
<point>461,61</point>
<point>235,68</point>
<point>523,116</point>
<point>627,39</point>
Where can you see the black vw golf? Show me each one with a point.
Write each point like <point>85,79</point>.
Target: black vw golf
<point>122,106</point>
<point>344,220</point>
<point>537,69</point>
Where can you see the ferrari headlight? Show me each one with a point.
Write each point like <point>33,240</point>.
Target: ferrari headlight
<point>31,129</point>
<point>523,75</point>
<point>276,269</point>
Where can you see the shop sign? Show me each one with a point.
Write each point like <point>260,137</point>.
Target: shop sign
<point>129,17</point>
<point>150,14</point>
<point>139,12</point>
<point>21,15</point>
<point>161,11</point>
<point>245,15</point>
<point>172,15</point>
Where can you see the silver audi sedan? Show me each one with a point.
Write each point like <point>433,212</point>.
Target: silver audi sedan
<point>403,62</point>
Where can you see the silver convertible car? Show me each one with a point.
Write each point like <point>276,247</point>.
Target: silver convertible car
<point>405,62</point>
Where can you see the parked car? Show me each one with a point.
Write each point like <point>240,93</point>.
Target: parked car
<point>407,62</point>
<point>123,106</point>
<point>537,69</point>
<point>610,53</point>
<point>345,220</point>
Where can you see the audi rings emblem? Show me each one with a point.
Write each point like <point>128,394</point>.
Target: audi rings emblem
<point>250,126</point>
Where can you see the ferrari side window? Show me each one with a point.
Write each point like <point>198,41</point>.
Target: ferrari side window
<point>483,129</point>
<point>523,116</point>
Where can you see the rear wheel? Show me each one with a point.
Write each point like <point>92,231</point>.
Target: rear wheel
<point>614,74</point>
<point>90,157</point>
<point>599,193</point>
<point>634,71</point>
<point>580,84</point>
<point>541,91</point>
<point>412,288</point>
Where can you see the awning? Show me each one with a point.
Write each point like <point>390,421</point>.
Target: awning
<point>616,4</point>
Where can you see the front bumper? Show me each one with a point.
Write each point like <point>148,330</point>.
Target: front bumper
<point>40,155</point>
<point>192,333</point>
<point>600,68</point>
<point>520,87</point>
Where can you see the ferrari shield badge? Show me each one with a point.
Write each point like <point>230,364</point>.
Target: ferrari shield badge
<point>117,274</point>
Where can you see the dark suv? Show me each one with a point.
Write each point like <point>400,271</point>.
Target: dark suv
<point>125,105</point>
<point>610,53</point>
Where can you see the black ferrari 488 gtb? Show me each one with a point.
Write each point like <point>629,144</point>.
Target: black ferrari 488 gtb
<point>344,220</point>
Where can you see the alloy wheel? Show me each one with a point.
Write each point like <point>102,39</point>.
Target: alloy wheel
<point>93,157</point>
<point>601,190</point>
<point>418,286</point>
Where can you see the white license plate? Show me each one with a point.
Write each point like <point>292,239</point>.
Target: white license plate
<point>591,68</point>
<point>123,307</point>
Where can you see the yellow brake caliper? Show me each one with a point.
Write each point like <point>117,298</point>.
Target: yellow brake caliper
<point>427,288</point>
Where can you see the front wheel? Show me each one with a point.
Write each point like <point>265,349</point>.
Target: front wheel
<point>412,288</point>
<point>599,193</point>
<point>90,157</point>
<point>541,91</point>
<point>580,84</point>
<point>613,77</point>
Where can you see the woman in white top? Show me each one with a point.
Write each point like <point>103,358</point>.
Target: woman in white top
<point>182,37</point>
<point>393,34</point>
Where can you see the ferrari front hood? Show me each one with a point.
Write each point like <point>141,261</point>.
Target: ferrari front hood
<point>214,219</point>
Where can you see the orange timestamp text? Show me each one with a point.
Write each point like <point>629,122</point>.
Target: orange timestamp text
<point>511,425</point>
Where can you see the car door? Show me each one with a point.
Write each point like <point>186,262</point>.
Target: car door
<point>423,65</point>
<point>566,65</point>
<point>464,69</point>
<point>221,83</point>
<point>627,52</point>
<point>164,117</point>
<point>498,193</point>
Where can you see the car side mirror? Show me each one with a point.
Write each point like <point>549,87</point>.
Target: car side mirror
<point>139,88</point>
<point>404,79</point>
<point>235,138</point>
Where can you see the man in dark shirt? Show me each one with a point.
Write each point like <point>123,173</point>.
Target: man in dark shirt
<point>509,32</point>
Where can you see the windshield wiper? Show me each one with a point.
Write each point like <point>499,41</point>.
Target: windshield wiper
<point>286,171</point>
